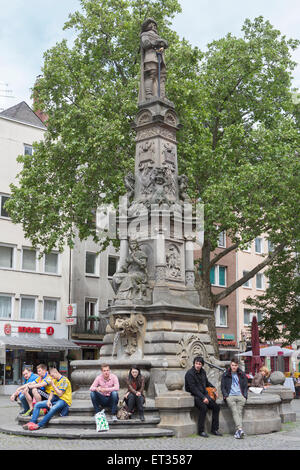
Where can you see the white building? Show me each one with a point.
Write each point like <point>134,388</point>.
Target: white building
<point>34,292</point>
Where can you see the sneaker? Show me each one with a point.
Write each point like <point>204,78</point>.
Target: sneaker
<point>237,434</point>
<point>114,418</point>
<point>242,434</point>
<point>33,426</point>
<point>28,413</point>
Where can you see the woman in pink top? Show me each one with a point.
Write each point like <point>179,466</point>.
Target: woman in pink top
<point>104,391</point>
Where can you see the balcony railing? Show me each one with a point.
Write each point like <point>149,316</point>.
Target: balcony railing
<point>91,325</point>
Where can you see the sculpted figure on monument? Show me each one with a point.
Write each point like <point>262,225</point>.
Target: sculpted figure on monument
<point>129,185</point>
<point>182,186</point>
<point>153,67</point>
<point>130,282</point>
<point>173,262</point>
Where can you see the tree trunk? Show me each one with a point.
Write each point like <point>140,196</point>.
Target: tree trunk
<point>203,286</point>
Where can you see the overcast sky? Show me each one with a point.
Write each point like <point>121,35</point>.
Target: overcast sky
<point>30,27</point>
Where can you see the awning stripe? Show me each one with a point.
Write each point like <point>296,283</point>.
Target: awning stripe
<point>59,344</point>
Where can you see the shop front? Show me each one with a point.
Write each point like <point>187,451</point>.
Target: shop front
<point>227,346</point>
<point>90,350</point>
<point>30,346</point>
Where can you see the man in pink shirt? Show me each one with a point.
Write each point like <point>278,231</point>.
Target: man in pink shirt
<point>104,391</point>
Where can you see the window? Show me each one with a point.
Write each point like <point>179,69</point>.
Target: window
<point>259,281</point>
<point>221,315</point>
<point>270,246</point>
<point>112,265</point>
<point>29,259</point>
<point>6,256</point>
<point>247,316</point>
<point>222,239</point>
<point>247,283</point>
<point>90,263</point>
<point>258,245</point>
<point>50,309</point>
<point>218,275</point>
<point>5,306</point>
<point>91,311</point>
<point>27,308</point>
<point>28,150</point>
<point>51,263</point>
<point>3,211</point>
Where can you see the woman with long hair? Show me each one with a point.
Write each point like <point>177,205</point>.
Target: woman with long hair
<point>135,397</point>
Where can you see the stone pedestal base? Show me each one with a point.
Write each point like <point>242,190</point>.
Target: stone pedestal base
<point>260,416</point>
<point>174,409</point>
<point>286,395</point>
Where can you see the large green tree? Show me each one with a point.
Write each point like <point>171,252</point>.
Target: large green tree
<point>237,145</point>
<point>280,303</point>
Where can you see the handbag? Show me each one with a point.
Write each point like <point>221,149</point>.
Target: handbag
<point>101,421</point>
<point>123,413</point>
<point>211,392</point>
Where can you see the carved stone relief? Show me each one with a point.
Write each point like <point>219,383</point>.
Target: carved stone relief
<point>144,117</point>
<point>130,329</point>
<point>189,347</point>
<point>146,150</point>
<point>155,131</point>
<point>173,262</point>
<point>190,278</point>
<point>130,282</point>
<point>170,118</point>
<point>169,152</point>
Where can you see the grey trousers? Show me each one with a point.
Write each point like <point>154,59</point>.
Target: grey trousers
<point>236,405</point>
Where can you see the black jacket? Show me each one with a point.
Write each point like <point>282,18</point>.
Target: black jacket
<point>196,383</point>
<point>227,380</point>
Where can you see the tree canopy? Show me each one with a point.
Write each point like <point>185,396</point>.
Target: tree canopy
<point>238,145</point>
<point>280,303</point>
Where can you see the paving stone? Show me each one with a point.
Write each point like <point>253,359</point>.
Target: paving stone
<point>287,439</point>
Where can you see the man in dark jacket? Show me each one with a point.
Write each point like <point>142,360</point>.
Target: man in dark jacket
<point>196,383</point>
<point>234,386</point>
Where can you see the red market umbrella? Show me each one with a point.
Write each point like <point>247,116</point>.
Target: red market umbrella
<point>256,361</point>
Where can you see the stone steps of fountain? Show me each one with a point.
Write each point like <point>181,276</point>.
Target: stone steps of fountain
<point>85,407</point>
<point>88,422</point>
<point>71,432</point>
<point>80,424</point>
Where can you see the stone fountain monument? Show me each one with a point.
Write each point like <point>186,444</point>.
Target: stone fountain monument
<point>156,320</point>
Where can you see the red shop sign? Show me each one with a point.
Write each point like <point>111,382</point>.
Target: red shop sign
<point>7,328</point>
<point>28,329</point>
<point>50,330</point>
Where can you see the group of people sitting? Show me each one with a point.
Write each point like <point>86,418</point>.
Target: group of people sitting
<point>234,388</point>
<point>47,393</point>
<point>43,394</point>
<point>104,392</point>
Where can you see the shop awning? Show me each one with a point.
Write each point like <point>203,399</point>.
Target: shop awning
<point>44,344</point>
<point>87,343</point>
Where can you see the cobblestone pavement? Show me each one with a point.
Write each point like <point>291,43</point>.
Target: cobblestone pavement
<point>287,439</point>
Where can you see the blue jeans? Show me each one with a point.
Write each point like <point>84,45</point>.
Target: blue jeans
<point>24,402</point>
<point>57,406</point>
<point>100,400</point>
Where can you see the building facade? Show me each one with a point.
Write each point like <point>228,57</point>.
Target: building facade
<point>92,293</point>
<point>34,289</point>
<point>222,275</point>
